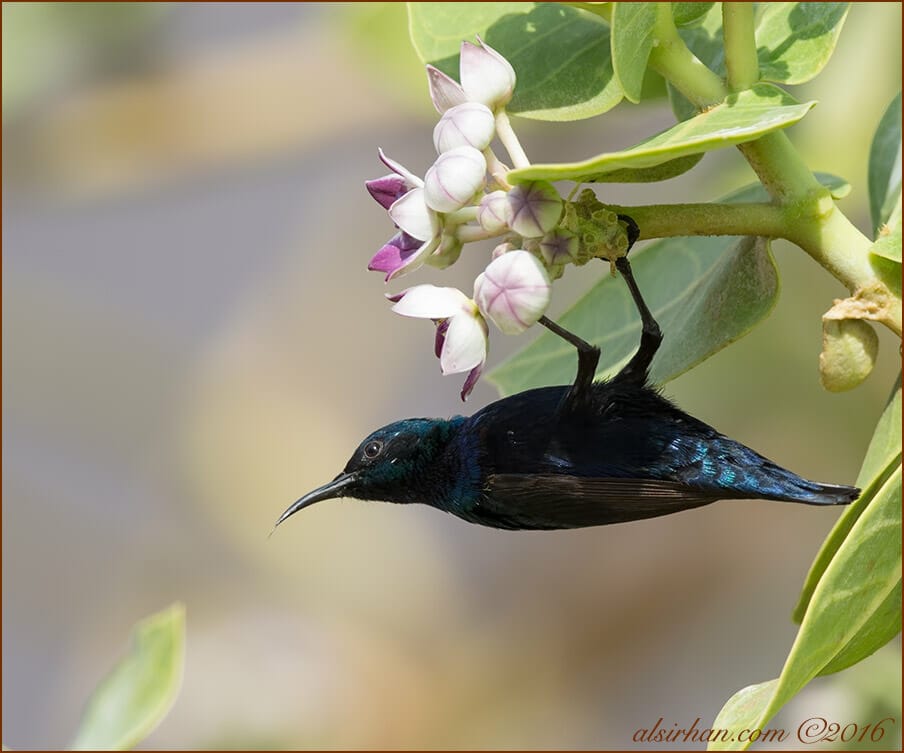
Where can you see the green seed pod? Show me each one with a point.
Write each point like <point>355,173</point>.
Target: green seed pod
<point>849,348</point>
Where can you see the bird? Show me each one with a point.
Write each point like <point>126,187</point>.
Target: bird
<point>570,456</point>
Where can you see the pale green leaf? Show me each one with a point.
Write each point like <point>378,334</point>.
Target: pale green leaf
<point>883,452</point>
<point>138,693</point>
<point>854,609</point>
<point>885,166</point>
<point>632,40</point>
<point>560,54</point>
<point>663,171</point>
<point>741,707</point>
<point>885,257</point>
<point>795,40</point>
<point>745,116</point>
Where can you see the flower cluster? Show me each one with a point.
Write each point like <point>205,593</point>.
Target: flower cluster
<point>464,197</point>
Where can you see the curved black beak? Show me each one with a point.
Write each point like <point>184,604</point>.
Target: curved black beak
<point>327,491</point>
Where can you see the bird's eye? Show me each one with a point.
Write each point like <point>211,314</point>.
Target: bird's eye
<point>372,449</point>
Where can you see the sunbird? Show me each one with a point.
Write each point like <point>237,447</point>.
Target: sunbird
<point>571,456</point>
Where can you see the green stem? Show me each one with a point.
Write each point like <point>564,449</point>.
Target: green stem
<point>780,168</point>
<point>741,61</point>
<point>803,210</point>
<point>671,220</point>
<point>671,58</point>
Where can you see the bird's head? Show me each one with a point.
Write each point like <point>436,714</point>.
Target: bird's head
<point>393,464</point>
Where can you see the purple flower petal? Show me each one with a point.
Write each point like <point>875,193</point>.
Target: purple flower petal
<point>442,325</point>
<point>395,255</point>
<point>470,381</point>
<point>388,189</point>
<point>445,92</point>
<point>400,169</point>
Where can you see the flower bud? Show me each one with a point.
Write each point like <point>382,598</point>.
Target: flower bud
<point>849,348</point>
<point>559,247</point>
<point>468,124</point>
<point>494,213</point>
<point>486,76</point>
<point>454,178</point>
<point>536,208</point>
<point>513,291</point>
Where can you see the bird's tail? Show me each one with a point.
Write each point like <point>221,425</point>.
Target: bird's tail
<point>781,484</point>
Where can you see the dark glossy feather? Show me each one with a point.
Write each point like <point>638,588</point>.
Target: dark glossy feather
<point>534,501</point>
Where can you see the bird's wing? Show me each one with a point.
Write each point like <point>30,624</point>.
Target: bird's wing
<point>560,501</point>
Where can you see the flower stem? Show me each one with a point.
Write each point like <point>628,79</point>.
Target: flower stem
<point>510,140</point>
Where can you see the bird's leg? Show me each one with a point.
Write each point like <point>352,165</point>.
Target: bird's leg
<point>588,358</point>
<point>589,355</point>
<point>651,336</point>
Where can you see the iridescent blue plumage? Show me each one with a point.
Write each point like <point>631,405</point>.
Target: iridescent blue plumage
<point>587,454</point>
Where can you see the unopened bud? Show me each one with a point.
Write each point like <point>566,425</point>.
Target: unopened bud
<point>536,208</point>
<point>454,178</point>
<point>513,291</point>
<point>468,124</point>
<point>849,348</point>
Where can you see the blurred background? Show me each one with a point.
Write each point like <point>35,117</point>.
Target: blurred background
<point>191,340</point>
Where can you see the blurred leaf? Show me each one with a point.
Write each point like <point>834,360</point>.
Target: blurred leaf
<point>632,40</point>
<point>854,609</point>
<point>883,452</point>
<point>744,116</point>
<point>704,292</point>
<point>560,54</point>
<point>885,166</point>
<point>44,43</point>
<point>686,14</point>
<point>140,690</point>
<point>376,35</point>
<point>795,40</point>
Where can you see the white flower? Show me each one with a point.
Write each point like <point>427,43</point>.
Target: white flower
<point>461,333</point>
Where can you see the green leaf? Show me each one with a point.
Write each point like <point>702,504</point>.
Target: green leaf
<point>885,166</point>
<point>741,707</point>
<point>885,257</point>
<point>855,609</point>
<point>883,452</point>
<point>663,171</point>
<point>632,40</point>
<point>142,687</point>
<point>687,14</point>
<point>795,40</point>
<point>560,54</point>
<point>716,288</point>
<point>744,116</point>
